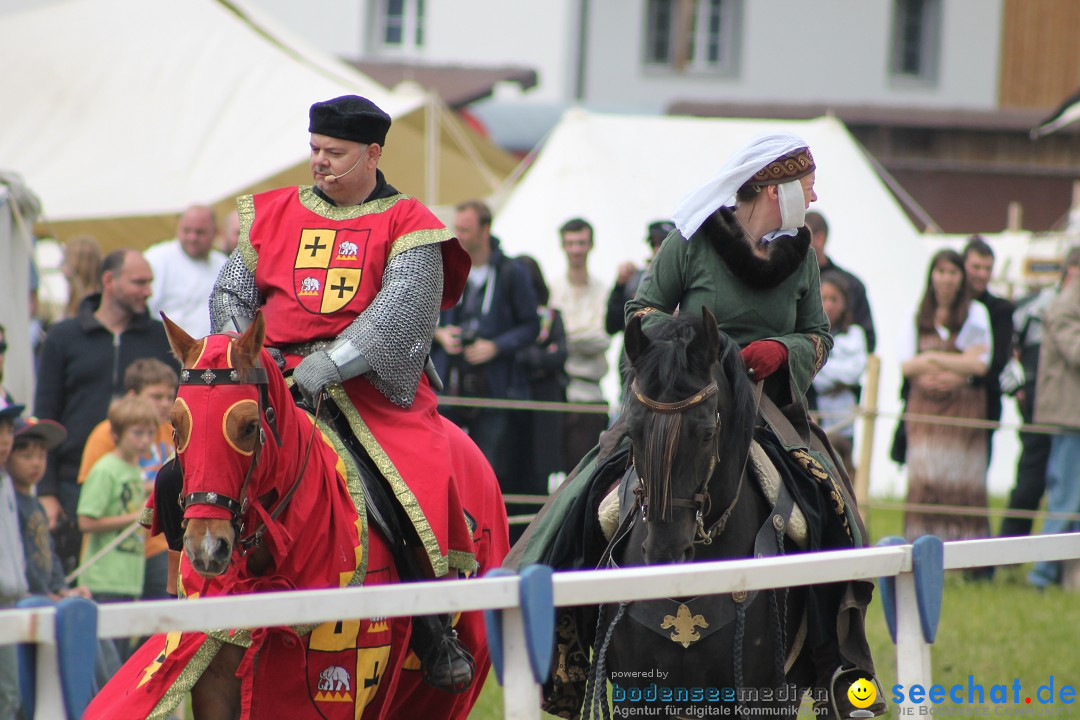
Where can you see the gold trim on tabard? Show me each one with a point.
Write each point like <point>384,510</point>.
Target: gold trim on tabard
<point>404,495</point>
<point>356,491</point>
<point>314,203</point>
<point>419,238</point>
<point>245,208</point>
<point>463,561</point>
<point>187,679</point>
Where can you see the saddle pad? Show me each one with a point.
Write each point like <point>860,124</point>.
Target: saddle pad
<point>769,480</point>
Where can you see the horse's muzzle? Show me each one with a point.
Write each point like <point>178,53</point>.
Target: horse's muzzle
<point>209,547</point>
<point>666,553</point>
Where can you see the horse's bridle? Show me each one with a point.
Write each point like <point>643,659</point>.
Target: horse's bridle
<point>238,507</point>
<point>700,502</point>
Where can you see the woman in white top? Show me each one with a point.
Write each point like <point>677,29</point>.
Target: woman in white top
<point>835,383</point>
<point>948,344</point>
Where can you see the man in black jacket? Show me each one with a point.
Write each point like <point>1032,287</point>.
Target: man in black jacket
<point>857,302</point>
<point>476,342</point>
<point>979,266</point>
<point>82,366</point>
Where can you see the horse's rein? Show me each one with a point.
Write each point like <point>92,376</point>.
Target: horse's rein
<point>255,538</point>
<point>714,531</point>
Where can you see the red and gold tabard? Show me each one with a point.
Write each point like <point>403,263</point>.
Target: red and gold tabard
<point>317,267</point>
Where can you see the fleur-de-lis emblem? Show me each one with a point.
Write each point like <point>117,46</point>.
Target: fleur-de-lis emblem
<point>185,375</point>
<point>211,497</point>
<point>685,626</point>
<point>208,377</point>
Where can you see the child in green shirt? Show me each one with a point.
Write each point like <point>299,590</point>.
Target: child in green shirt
<point>111,500</point>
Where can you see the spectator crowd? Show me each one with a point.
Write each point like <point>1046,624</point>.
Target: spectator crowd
<point>75,475</point>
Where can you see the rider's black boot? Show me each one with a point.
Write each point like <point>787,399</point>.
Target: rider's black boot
<point>446,664</point>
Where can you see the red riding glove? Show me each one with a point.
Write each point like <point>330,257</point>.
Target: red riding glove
<point>764,357</point>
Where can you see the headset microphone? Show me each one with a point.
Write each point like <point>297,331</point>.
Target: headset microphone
<point>333,178</point>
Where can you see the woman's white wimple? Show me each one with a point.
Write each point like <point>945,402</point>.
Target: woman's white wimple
<point>740,167</point>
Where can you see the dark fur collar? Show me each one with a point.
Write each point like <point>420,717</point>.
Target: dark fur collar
<point>786,254</point>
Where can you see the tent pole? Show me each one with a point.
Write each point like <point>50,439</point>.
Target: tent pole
<point>431,152</point>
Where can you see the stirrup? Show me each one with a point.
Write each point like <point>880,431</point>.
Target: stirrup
<point>448,665</point>
<point>839,705</point>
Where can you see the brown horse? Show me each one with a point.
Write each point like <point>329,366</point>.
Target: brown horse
<point>272,501</point>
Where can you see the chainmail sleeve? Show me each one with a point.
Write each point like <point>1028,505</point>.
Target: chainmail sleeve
<point>234,295</point>
<point>394,332</point>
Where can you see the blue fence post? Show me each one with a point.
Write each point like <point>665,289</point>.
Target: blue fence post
<point>887,589</point>
<point>538,609</point>
<point>76,648</point>
<point>27,657</point>
<point>494,626</point>
<point>928,566</point>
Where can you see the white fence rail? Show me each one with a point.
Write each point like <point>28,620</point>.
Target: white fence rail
<point>916,580</point>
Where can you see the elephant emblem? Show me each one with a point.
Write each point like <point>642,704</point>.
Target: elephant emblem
<point>348,249</point>
<point>335,679</point>
<point>309,285</point>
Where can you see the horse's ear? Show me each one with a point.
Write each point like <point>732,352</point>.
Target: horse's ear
<point>247,347</point>
<point>182,344</point>
<point>634,339</point>
<point>708,340</point>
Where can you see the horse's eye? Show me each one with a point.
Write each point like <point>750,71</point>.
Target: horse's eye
<point>241,426</point>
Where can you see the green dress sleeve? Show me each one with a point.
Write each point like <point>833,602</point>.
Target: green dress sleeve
<point>662,286</point>
<point>811,342</point>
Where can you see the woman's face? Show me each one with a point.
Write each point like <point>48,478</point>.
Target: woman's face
<point>946,280</point>
<point>832,300</point>
<point>808,188</point>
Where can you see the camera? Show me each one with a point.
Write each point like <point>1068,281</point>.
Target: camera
<point>469,334</point>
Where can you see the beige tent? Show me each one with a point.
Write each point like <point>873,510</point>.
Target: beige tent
<point>120,113</point>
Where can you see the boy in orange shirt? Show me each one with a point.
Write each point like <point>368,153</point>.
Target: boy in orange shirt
<point>155,381</point>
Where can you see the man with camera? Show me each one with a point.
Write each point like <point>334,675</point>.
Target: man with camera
<point>476,340</point>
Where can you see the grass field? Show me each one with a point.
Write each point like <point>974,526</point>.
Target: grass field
<point>995,632</point>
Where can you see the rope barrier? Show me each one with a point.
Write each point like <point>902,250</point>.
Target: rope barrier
<point>969,510</point>
<point>542,406</point>
<point>847,418</point>
<point>838,421</point>
<point>124,535</point>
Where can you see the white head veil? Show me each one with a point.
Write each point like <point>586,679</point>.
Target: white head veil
<point>740,167</point>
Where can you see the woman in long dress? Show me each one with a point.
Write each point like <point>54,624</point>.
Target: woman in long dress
<point>948,344</point>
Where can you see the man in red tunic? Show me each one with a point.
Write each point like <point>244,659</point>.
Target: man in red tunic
<point>350,275</point>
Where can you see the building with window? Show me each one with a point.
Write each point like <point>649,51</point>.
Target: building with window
<point>943,93</point>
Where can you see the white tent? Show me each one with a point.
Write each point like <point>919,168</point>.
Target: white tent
<point>622,172</point>
<point>120,113</point>
<point>18,209</point>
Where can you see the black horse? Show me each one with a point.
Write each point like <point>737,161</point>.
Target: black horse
<point>690,416</point>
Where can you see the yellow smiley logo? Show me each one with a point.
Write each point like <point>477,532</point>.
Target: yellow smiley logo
<point>862,693</point>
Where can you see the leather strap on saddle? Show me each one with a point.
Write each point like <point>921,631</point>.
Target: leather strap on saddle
<point>790,424</point>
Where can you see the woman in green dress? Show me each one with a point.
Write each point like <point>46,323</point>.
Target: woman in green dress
<point>741,250</point>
